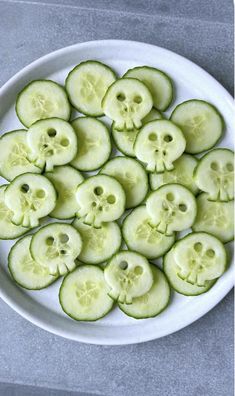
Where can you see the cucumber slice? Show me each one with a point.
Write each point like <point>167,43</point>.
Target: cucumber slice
<point>159,144</point>
<point>129,275</point>
<point>8,230</point>
<point>56,246</point>
<point>131,175</point>
<point>30,197</point>
<point>100,199</point>
<point>172,208</point>
<point>94,144</point>
<point>98,244</point>
<point>216,218</point>
<point>25,271</point>
<point>86,85</point>
<point>42,99</point>
<point>127,102</point>
<point>126,139</point>
<point>153,302</point>
<point>215,175</point>
<point>182,174</point>
<point>53,142</point>
<point>84,294</point>
<point>158,83</point>
<point>143,237</point>
<point>14,151</point>
<point>181,286</point>
<point>65,179</point>
<point>201,124</point>
<point>200,257</point>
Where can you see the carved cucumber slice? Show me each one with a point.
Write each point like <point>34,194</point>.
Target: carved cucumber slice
<point>159,144</point>
<point>84,294</point>
<point>42,99</point>
<point>86,86</point>
<point>25,271</point>
<point>129,275</point>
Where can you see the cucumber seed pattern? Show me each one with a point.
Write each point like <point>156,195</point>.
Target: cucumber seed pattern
<point>87,292</point>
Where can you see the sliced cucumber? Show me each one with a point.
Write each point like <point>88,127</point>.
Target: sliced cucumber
<point>8,230</point>
<point>53,142</point>
<point>127,102</point>
<point>125,140</point>
<point>131,175</point>
<point>65,179</point>
<point>94,144</point>
<point>158,83</point>
<point>215,175</point>
<point>182,173</point>
<point>129,275</point>
<point>143,237</point>
<point>100,199</point>
<point>84,294</point>
<point>98,244</point>
<point>159,144</point>
<point>86,85</point>
<point>181,286</point>
<point>56,246</point>
<point>201,124</point>
<point>30,197</point>
<point>14,151</point>
<point>172,208</point>
<point>25,271</point>
<point>200,257</point>
<point>153,302</point>
<point>216,218</point>
<point>42,99</point>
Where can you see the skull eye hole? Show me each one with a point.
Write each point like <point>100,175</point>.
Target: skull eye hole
<point>182,207</point>
<point>197,247</point>
<point>229,167</point>
<point>137,99</point>
<point>214,166</point>
<point>152,137</point>
<point>111,199</point>
<point>168,138</point>
<point>98,191</point>
<point>123,265</point>
<point>64,142</point>
<point>51,132</point>
<point>170,197</point>
<point>40,194</point>
<point>63,238</point>
<point>49,241</point>
<point>24,188</point>
<point>138,270</point>
<point>210,253</point>
<point>121,97</point>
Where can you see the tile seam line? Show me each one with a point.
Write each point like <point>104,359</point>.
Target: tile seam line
<point>103,10</point>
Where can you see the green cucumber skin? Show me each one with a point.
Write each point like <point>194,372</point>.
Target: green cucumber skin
<point>41,80</point>
<point>75,68</point>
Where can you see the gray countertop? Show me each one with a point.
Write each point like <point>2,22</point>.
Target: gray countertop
<point>198,359</point>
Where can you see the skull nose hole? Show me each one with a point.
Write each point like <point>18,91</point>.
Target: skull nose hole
<point>63,238</point>
<point>93,204</point>
<point>111,199</point>
<point>40,194</point>
<point>49,241</point>
<point>49,153</point>
<point>24,188</point>
<point>62,251</point>
<point>210,253</point>
<point>197,247</point>
<point>214,166</point>
<point>137,99</point>
<point>121,97</point>
<point>229,167</point>
<point>182,207</point>
<point>168,138</point>
<point>98,191</point>
<point>138,270</point>
<point>123,265</point>
<point>152,137</point>
<point>170,196</point>
<point>51,132</point>
<point>164,152</point>
<point>64,142</point>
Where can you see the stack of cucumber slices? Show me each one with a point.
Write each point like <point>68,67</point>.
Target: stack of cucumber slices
<point>88,178</point>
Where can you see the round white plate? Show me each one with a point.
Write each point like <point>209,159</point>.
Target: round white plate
<point>42,307</point>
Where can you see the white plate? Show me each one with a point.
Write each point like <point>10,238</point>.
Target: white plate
<point>42,307</point>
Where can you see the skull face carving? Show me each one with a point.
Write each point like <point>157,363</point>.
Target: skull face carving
<point>127,102</point>
<point>172,208</point>
<point>158,144</point>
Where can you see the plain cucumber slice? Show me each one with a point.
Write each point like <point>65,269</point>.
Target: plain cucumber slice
<point>216,218</point>
<point>159,144</point>
<point>172,208</point>
<point>8,230</point>
<point>30,197</point>
<point>127,102</point>
<point>94,144</point>
<point>131,175</point>
<point>42,99</point>
<point>65,179</point>
<point>200,258</point>
<point>215,175</point>
<point>143,237</point>
<point>201,124</point>
<point>181,286</point>
<point>158,83</point>
<point>53,142</point>
<point>56,246</point>
<point>98,244</point>
<point>100,199</point>
<point>182,173</point>
<point>14,152</point>
<point>86,85</point>
<point>84,294</point>
<point>125,140</point>
<point>25,271</point>
<point>129,275</point>
<point>153,302</point>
